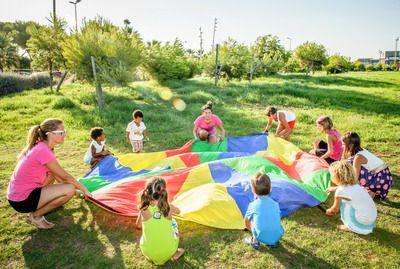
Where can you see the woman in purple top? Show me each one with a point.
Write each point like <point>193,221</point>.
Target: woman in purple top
<point>331,150</point>
<point>204,125</point>
<point>31,189</point>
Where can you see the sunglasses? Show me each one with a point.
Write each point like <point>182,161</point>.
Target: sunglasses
<point>62,132</point>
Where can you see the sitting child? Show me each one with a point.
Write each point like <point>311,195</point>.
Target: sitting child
<point>96,151</point>
<point>160,237</point>
<point>286,121</point>
<point>357,209</point>
<point>331,150</point>
<point>263,216</point>
<point>135,131</point>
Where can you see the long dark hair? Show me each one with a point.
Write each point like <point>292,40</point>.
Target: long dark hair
<point>156,189</point>
<point>38,133</point>
<point>352,142</point>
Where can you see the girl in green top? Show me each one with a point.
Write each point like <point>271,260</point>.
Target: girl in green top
<point>160,237</point>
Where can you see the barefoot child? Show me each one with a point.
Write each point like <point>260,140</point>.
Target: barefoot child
<point>286,121</point>
<point>372,172</point>
<point>135,131</point>
<point>331,150</point>
<point>160,237</point>
<point>263,216</point>
<point>357,209</point>
<point>96,151</point>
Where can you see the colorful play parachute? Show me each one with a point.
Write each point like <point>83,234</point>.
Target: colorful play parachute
<point>210,183</point>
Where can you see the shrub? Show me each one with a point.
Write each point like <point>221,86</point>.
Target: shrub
<point>370,68</point>
<point>359,66</point>
<point>337,64</point>
<point>234,59</point>
<point>10,82</point>
<point>169,61</point>
<point>117,52</point>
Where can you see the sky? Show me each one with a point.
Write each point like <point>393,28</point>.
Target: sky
<point>353,28</point>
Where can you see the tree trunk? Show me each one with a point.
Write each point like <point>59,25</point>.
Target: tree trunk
<point>61,81</point>
<point>51,76</point>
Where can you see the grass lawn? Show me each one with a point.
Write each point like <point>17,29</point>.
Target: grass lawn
<point>88,237</point>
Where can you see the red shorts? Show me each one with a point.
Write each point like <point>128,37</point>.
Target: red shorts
<point>291,124</point>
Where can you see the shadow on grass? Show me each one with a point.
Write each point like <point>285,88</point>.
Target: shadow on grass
<point>292,256</point>
<point>336,80</point>
<point>73,244</point>
<point>291,93</point>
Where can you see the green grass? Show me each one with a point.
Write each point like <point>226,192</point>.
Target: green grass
<point>88,237</point>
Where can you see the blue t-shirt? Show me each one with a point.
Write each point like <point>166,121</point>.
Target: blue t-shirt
<point>265,217</point>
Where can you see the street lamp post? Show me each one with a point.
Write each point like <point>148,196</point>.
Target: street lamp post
<point>290,43</point>
<point>76,16</point>
<point>395,51</point>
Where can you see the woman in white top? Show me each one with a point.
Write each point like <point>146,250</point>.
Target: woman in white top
<point>286,121</point>
<point>372,173</point>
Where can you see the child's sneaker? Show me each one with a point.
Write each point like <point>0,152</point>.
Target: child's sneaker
<point>249,241</point>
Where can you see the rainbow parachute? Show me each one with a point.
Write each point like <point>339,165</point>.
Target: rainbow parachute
<point>210,183</point>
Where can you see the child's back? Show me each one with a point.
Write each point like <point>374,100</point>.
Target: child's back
<point>358,210</point>
<point>266,220</point>
<point>159,240</point>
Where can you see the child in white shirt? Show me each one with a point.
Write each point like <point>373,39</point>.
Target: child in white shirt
<point>135,131</point>
<point>96,151</point>
<point>357,209</point>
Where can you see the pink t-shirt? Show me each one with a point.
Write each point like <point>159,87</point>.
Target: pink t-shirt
<point>200,123</point>
<point>30,172</point>
<point>337,149</point>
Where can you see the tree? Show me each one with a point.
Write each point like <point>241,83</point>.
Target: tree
<point>269,56</point>
<point>169,61</point>
<point>311,56</point>
<point>45,46</point>
<point>359,66</point>
<point>292,65</point>
<point>117,52</point>
<point>337,64</point>
<point>8,52</point>
<point>234,58</point>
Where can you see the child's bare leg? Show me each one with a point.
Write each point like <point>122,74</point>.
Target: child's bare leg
<point>179,252</point>
<point>343,228</point>
<point>279,129</point>
<point>94,161</point>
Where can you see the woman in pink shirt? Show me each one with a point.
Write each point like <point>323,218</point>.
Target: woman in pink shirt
<point>204,125</point>
<point>331,150</point>
<point>31,189</point>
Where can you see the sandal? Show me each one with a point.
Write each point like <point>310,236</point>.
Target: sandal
<point>249,241</point>
<point>40,223</point>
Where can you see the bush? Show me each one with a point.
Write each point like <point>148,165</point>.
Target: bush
<point>359,66</point>
<point>234,59</point>
<point>370,68</point>
<point>117,52</point>
<point>169,61</point>
<point>337,64</point>
<point>10,82</point>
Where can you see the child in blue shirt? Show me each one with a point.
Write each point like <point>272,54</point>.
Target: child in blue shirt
<point>263,216</point>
